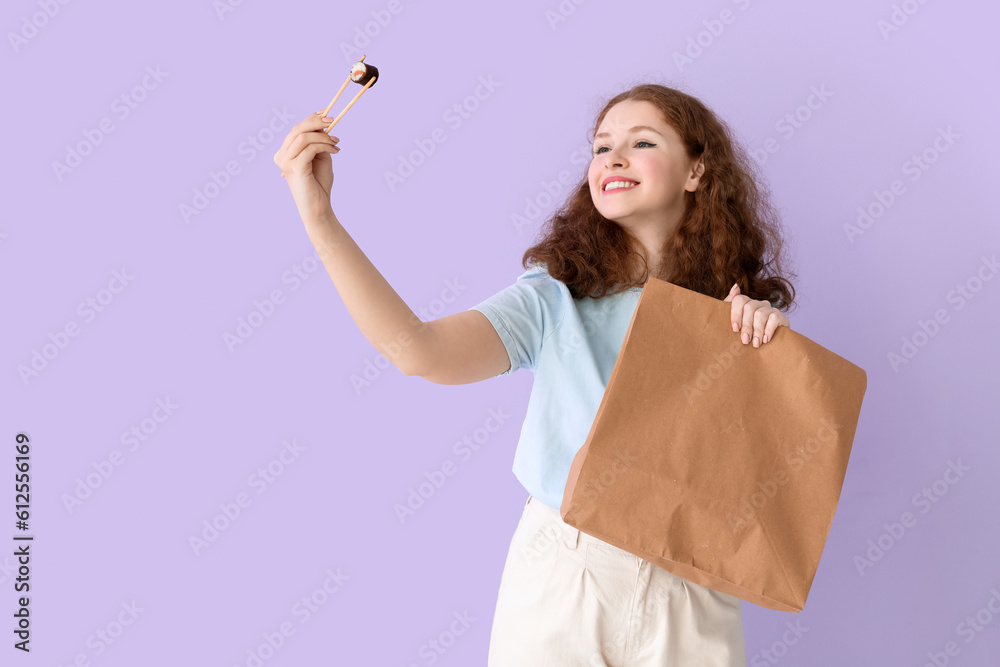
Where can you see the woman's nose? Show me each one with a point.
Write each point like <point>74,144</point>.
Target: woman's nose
<point>614,158</point>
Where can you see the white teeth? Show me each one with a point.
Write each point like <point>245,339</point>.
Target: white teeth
<point>619,184</point>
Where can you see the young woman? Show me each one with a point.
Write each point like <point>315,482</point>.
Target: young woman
<point>669,194</point>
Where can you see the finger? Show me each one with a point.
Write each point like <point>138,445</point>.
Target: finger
<point>760,318</point>
<point>746,320</point>
<point>302,163</point>
<point>305,163</point>
<point>323,122</point>
<point>773,322</point>
<point>308,138</point>
<point>736,311</point>
<point>295,132</point>
<point>777,319</point>
<point>311,150</point>
<point>299,142</point>
<point>733,293</point>
<point>312,123</point>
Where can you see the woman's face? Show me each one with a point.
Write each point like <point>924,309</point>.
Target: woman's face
<point>652,160</point>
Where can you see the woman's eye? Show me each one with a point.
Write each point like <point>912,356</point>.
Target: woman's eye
<point>597,152</point>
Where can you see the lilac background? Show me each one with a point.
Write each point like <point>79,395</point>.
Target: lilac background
<point>452,222</point>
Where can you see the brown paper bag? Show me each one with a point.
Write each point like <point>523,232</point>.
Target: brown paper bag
<point>717,461</point>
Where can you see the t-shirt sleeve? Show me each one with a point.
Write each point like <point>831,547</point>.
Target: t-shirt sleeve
<point>523,315</point>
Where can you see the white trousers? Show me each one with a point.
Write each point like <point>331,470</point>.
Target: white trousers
<point>568,599</point>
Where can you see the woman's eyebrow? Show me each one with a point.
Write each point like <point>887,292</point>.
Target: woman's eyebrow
<point>637,127</point>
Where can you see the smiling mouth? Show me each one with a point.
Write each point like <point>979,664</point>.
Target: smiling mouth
<point>616,186</point>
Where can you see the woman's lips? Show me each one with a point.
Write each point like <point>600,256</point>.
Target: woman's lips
<point>625,189</point>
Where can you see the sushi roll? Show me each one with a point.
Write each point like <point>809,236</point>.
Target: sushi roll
<point>362,73</point>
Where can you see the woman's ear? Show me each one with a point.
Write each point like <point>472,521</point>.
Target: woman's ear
<point>696,172</point>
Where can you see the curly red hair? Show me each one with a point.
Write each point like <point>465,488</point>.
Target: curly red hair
<point>729,231</point>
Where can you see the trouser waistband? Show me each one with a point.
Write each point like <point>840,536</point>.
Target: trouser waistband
<point>571,537</point>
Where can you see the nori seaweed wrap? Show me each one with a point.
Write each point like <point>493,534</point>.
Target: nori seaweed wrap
<point>362,73</point>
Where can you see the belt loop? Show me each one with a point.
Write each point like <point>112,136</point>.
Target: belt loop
<point>572,537</point>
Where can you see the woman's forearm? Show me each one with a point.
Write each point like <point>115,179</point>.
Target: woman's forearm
<point>378,311</point>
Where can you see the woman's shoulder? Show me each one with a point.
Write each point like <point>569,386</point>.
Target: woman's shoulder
<point>540,278</point>
<point>538,271</point>
<point>537,278</point>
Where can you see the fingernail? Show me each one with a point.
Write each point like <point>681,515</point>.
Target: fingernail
<point>735,285</point>
<point>745,337</point>
<point>736,327</point>
<point>765,338</point>
<point>756,341</point>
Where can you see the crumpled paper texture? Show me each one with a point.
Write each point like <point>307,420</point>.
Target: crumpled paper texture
<point>716,461</point>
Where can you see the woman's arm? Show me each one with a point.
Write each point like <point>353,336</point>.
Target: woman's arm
<point>457,349</point>
<point>381,315</point>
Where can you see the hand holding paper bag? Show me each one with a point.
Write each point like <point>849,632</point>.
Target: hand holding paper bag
<point>753,319</point>
<point>735,456</point>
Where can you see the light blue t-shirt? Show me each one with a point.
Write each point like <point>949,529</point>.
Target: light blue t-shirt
<point>571,347</point>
